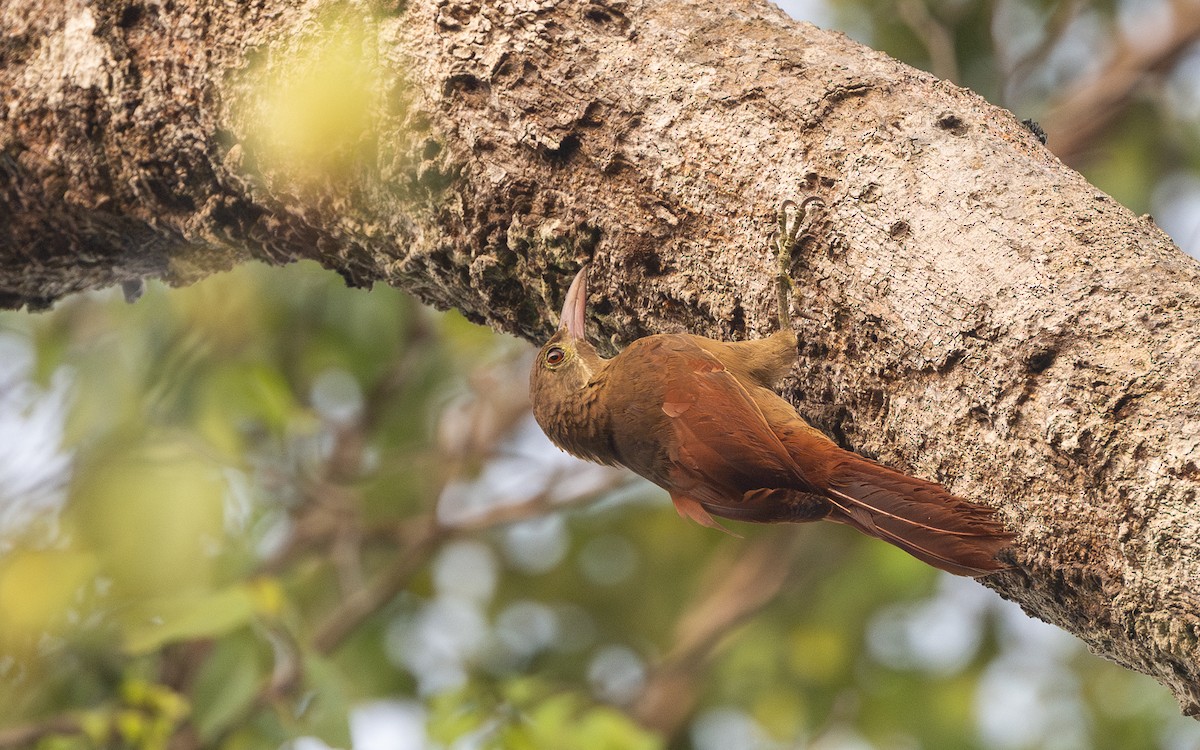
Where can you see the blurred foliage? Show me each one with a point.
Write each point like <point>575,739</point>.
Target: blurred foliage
<point>311,107</point>
<point>252,456</point>
<point>269,511</point>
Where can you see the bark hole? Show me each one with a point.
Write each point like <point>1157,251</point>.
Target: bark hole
<point>130,15</point>
<point>737,320</point>
<point>1040,361</point>
<point>567,148</point>
<point>467,88</point>
<point>603,16</point>
<point>952,124</point>
<point>1122,408</point>
<point>652,263</point>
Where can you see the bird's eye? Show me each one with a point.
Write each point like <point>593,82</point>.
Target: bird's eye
<point>555,356</point>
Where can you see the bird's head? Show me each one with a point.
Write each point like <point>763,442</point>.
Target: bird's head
<point>567,362</point>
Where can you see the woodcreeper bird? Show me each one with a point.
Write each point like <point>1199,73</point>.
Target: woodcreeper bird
<point>699,418</point>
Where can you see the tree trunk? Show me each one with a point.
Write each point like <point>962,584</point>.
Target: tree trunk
<point>976,312</point>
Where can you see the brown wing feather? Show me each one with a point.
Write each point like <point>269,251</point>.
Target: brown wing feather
<point>722,446</point>
<point>733,460</point>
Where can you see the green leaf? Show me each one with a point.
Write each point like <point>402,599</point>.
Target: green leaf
<point>454,714</point>
<point>568,720</point>
<point>37,591</point>
<point>226,685</point>
<point>323,710</point>
<point>155,622</point>
<point>152,508</point>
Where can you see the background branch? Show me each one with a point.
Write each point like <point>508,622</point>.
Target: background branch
<point>734,587</point>
<point>1085,111</point>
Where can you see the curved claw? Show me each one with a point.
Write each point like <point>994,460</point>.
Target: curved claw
<point>793,220</point>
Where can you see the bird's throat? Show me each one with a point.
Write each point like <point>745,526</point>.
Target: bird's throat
<point>581,424</point>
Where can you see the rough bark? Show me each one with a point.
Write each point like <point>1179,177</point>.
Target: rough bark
<point>976,312</point>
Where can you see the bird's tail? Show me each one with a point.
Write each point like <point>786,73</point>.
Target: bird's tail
<point>917,516</point>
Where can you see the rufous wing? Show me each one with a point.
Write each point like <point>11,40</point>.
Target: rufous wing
<point>728,459</point>
<point>719,443</point>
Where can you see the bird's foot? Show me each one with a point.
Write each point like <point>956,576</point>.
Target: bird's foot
<point>793,219</point>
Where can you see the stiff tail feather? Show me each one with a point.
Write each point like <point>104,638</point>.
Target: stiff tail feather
<point>920,517</point>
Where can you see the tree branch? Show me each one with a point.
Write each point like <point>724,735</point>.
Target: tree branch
<point>28,735</point>
<point>362,603</point>
<point>1053,28</point>
<point>938,40</point>
<point>736,588</point>
<point>1093,104</point>
<point>976,312</point>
